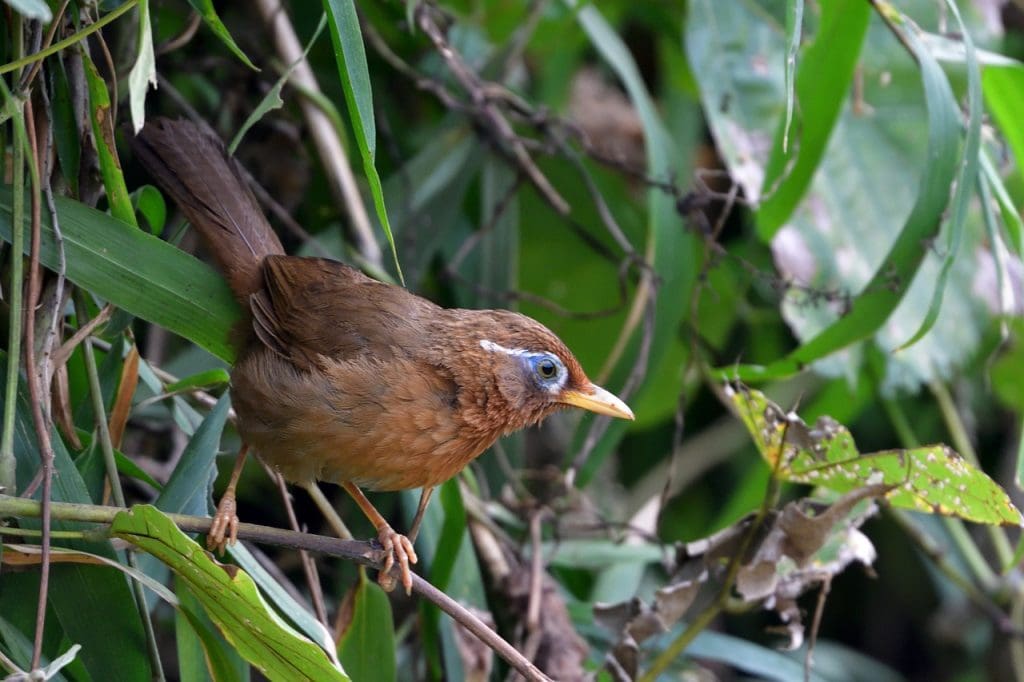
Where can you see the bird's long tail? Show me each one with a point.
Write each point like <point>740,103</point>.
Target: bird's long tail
<point>192,166</point>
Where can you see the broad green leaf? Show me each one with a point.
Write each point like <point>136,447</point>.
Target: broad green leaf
<point>143,73</point>
<point>143,275</point>
<point>202,652</point>
<point>101,114</point>
<point>1004,98</point>
<point>367,645</point>
<point>350,54</point>
<point>822,82</point>
<point>852,238</point>
<point>299,614</point>
<point>231,599</point>
<point>213,22</point>
<point>932,479</point>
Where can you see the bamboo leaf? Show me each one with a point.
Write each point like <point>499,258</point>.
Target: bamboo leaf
<point>355,80</point>
<point>137,272</point>
<point>230,597</point>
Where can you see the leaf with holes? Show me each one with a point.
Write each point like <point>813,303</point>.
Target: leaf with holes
<point>932,479</point>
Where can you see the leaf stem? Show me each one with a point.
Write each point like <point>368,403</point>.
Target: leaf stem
<point>107,448</point>
<point>70,40</point>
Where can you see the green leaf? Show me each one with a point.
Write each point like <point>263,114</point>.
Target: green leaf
<point>932,479</point>
<point>202,652</point>
<point>101,116</point>
<point>673,252</point>
<point>230,597</point>
<point>143,73</point>
<point>299,614</point>
<point>893,276</point>
<point>824,78</point>
<point>453,531</point>
<point>211,378</point>
<point>794,30</point>
<point>213,22</point>
<point>79,592</point>
<point>65,129</point>
<point>355,80</point>
<point>1004,98</point>
<point>272,100</point>
<point>965,182</point>
<point>148,201</point>
<point>367,646</point>
<point>143,275</point>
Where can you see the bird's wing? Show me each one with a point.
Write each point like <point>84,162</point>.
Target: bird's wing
<point>313,307</point>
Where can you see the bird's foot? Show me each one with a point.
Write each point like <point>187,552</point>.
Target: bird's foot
<point>224,529</point>
<point>398,549</point>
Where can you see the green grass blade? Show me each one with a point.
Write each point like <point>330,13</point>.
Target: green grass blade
<point>355,80</point>
<point>101,116</point>
<point>794,31</point>
<point>213,22</point>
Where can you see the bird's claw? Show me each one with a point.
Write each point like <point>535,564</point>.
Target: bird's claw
<point>224,529</point>
<point>397,549</point>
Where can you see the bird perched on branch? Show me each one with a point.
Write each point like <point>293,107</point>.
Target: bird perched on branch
<point>345,379</point>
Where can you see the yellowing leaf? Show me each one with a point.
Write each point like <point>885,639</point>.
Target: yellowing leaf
<point>932,479</point>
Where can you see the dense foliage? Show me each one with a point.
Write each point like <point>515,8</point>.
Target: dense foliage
<point>786,233</point>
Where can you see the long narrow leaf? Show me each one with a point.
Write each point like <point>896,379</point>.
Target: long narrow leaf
<point>822,81</point>
<point>965,182</point>
<point>893,277</point>
<point>137,272</point>
<point>355,80</point>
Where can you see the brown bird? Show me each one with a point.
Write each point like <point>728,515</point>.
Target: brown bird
<point>345,379</point>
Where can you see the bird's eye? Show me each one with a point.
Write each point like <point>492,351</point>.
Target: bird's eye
<point>547,369</point>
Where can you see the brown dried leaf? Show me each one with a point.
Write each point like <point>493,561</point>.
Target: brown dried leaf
<point>123,401</point>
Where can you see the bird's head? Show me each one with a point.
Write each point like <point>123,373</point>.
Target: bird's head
<point>534,373</point>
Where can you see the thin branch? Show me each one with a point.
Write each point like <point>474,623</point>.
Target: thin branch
<point>363,553</point>
<point>35,391</point>
<point>488,112</point>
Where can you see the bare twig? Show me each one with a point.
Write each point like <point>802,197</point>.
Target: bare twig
<point>488,112</point>
<point>316,594</point>
<point>35,390</point>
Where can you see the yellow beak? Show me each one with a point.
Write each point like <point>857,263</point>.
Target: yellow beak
<point>596,399</point>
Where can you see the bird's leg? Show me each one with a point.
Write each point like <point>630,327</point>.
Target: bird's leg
<point>397,547</point>
<point>421,509</point>
<point>224,529</point>
<point>328,510</point>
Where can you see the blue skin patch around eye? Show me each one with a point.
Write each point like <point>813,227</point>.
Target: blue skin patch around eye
<point>541,365</point>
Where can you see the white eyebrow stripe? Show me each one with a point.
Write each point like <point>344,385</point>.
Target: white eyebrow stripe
<point>498,348</point>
